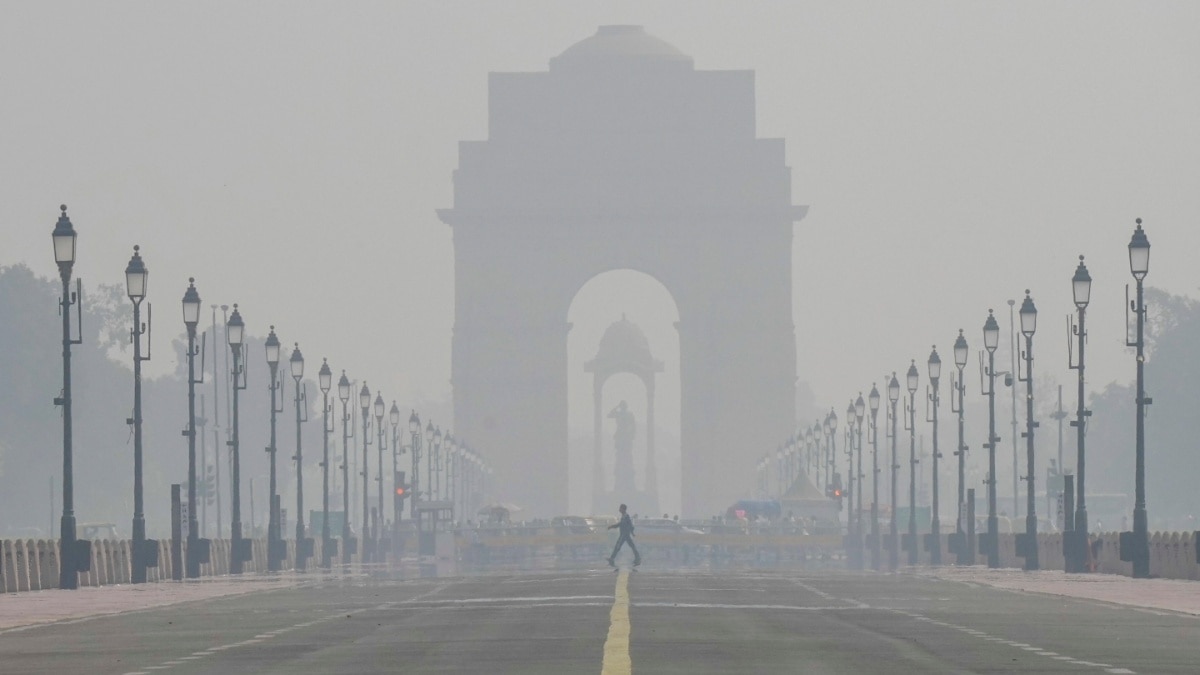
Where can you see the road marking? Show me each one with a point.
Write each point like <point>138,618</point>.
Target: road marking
<point>484,601</point>
<point>701,605</point>
<point>616,647</point>
<point>1019,645</point>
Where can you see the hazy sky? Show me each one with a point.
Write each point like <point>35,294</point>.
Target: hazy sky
<point>290,156</point>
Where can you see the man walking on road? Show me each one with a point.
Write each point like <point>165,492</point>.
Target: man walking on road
<point>625,526</point>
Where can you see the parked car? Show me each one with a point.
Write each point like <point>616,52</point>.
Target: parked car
<point>571,525</point>
<point>98,531</point>
<point>662,526</point>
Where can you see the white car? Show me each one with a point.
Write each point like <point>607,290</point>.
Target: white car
<point>661,526</point>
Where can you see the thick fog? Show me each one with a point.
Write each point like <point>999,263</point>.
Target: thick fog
<point>291,157</point>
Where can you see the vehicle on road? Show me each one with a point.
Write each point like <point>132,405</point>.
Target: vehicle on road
<point>662,526</point>
<point>571,525</point>
<point>98,531</point>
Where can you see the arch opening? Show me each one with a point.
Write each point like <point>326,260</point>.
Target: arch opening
<point>606,364</point>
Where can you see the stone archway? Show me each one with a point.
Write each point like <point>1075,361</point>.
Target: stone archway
<point>623,155</point>
<point>624,349</point>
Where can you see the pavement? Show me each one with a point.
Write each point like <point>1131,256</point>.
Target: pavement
<point>655,620</point>
<point>1171,595</point>
<point>54,605</point>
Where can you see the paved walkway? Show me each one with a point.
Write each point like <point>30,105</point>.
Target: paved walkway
<point>1172,595</point>
<point>19,610</point>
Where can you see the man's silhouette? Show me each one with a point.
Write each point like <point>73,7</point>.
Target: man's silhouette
<point>625,526</point>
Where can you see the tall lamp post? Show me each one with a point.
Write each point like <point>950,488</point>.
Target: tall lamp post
<point>274,537</point>
<point>325,377</point>
<point>429,485</point>
<point>364,401</point>
<point>136,277</point>
<point>935,373</point>
<point>191,317</point>
<point>831,462</point>
<point>961,351</point>
<point>414,433</point>
<point>72,556</point>
<point>380,446</point>
<point>893,390</point>
<point>873,401</point>
<point>435,461</point>
<point>812,464</point>
<point>235,332</point>
<point>451,454</point>
<point>344,394</point>
<point>302,541</point>
<point>912,380</point>
<point>1139,266</point>
<point>1028,327</point>
<point>398,508</point>
<point>991,340</point>
<point>851,477</point>
<point>398,490</point>
<point>860,411</point>
<point>1081,290</point>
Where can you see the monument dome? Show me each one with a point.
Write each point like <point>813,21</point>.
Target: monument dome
<point>623,45</point>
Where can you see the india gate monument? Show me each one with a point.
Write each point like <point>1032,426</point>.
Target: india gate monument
<point>623,156</point>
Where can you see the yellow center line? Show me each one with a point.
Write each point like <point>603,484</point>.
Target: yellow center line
<point>616,647</point>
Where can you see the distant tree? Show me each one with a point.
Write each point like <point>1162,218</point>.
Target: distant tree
<point>1172,423</point>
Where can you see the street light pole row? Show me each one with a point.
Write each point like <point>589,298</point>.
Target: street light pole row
<point>75,554</point>
<point>1134,545</point>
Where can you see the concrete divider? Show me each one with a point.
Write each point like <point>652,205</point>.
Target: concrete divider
<point>47,563</point>
<point>21,563</point>
<point>33,549</point>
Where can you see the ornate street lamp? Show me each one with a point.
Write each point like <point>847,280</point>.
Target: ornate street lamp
<point>364,402</point>
<point>136,278</point>
<point>429,484</point>
<point>235,335</point>
<point>451,452</point>
<point>380,446</point>
<point>857,411</point>
<point>303,543</point>
<point>276,549</point>
<point>397,500</point>
<point>325,380</point>
<point>851,486</point>
<point>1081,290</point>
<point>860,411</point>
<point>893,390</point>
<point>934,365</point>
<point>191,317</point>
<point>912,378</point>
<point>965,550</point>
<point>435,459</point>
<point>991,340</point>
<point>1139,266</point>
<point>73,555</point>
<point>414,433</point>
<point>349,544</point>
<point>831,421</point>
<point>1028,327</point>
<point>873,432</point>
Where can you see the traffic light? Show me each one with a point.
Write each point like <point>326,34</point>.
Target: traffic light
<point>402,490</point>
<point>837,490</point>
<point>206,486</point>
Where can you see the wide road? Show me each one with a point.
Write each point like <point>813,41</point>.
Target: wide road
<point>652,621</point>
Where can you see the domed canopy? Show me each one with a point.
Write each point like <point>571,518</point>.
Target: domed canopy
<point>624,349</point>
<point>628,45</point>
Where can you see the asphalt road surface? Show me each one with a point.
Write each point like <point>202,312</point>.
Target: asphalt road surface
<point>652,621</point>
